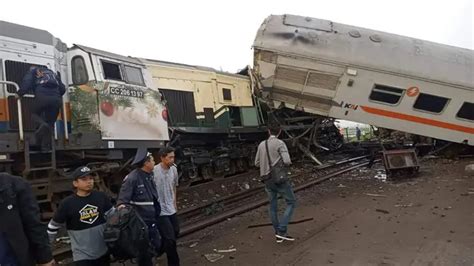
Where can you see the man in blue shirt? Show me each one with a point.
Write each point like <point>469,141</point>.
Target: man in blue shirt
<point>139,190</point>
<point>48,90</point>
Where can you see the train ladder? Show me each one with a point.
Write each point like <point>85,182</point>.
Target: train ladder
<point>42,187</point>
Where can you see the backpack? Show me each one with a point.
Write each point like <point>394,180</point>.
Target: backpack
<point>126,234</point>
<point>46,78</point>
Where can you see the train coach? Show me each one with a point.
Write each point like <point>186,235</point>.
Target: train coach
<point>362,75</point>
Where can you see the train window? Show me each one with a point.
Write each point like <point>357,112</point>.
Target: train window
<point>134,75</point>
<point>111,70</point>
<point>430,103</point>
<point>466,111</point>
<point>227,94</point>
<point>79,71</point>
<point>386,94</point>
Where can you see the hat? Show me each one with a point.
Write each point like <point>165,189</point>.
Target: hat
<point>81,172</point>
<point>141,155</point>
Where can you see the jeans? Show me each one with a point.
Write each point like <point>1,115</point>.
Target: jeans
<point>44,111</point>
<point>286,191</point>
<point>169,230</point>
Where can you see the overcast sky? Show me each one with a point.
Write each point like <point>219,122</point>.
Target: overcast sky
<point>220,34</point>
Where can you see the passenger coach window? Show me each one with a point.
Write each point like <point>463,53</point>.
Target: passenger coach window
<point>430,103</point>
<point>466,111</point>
<point>134,75</point>
<point>227,94</point>
<point>386,94</point>
<point>79,71</point>
<point>111,71</point>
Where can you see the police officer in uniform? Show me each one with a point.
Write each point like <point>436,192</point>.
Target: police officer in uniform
<point>48,90</point>
<point>139,190</point>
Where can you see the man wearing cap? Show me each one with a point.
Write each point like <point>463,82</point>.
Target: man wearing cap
<point>139,190</point>
<point>84,214</point>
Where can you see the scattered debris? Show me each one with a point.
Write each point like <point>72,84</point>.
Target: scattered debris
<point>404,205</point>
<point>188,242</point>
<point>231,249</point>
<point>374,195</point>
<point>193,245</point>
<point>470,169</point>
<point>213,257</point>
<point>381,176</point>
<point>382,211</point>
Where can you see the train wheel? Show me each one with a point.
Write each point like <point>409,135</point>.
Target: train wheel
<point>207,172</point>
<point>242,165</point>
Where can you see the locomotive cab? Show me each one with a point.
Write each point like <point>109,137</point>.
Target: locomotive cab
<point>22,48</point>
<point>112,100</point>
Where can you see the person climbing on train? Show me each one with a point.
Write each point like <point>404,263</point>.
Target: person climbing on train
<point>48,90</point>
<point>166,179</point>
<point>84,214</point>
<point>139,190</point>
<point>273,159</point>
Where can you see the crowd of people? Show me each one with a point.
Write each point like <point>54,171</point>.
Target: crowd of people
<point>150,189</point>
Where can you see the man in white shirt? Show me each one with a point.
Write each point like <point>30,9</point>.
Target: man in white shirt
<point>166,179</point>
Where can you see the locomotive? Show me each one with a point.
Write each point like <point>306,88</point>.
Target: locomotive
<point>116,103</point>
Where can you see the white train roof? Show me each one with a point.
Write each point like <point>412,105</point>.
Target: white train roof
<point>365,48</point>
<point>30,34</point>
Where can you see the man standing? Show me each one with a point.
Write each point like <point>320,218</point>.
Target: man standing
<point>358,133</point>
<point>166,179</point>
<point>84,214</point>
<point>48,90</point>
<point>23,238</point>
<point>139,190</point>
<point>277,151</point>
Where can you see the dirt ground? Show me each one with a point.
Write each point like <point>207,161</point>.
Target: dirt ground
<point>426,220</point>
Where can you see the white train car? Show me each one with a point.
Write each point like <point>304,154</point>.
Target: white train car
<point>367,76</point>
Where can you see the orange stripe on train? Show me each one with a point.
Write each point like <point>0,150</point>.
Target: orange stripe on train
<point>418,119</point>
<point>3,109</point>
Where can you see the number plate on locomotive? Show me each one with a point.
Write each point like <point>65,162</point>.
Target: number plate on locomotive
<point>127,92</point>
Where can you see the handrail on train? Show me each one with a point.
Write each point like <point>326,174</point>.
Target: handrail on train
<point>20,116</point>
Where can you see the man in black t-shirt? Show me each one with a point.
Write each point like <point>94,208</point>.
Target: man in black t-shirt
<point>84,215</point>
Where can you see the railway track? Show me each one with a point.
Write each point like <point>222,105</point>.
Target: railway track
<point>203,215</point>
<point>197,218</point>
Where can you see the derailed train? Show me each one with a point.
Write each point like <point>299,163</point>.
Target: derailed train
<point>115,104</point>
<point>373,77</point>
<point>305,71</point>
